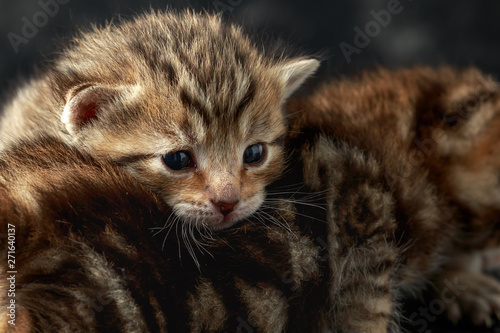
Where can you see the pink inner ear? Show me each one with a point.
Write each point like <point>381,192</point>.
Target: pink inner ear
<point>85,107</point>
<point>89,113</point>
<point>83,111</point>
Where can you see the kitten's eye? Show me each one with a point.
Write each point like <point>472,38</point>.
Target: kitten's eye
<point>178,160</point>
<point>254,154</point>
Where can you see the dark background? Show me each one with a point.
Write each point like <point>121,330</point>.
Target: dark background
<point>456,32</point>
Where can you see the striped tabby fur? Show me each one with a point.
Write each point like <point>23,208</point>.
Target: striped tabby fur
<point>423,209</point>
<point>88,261</point>
<point>394,182</point>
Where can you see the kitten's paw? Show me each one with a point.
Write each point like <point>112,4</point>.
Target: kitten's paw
<point>470,295</point>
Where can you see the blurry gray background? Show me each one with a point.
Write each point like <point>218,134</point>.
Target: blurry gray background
<point>456,32</point>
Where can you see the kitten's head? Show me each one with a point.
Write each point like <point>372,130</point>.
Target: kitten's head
<point>187,105</point>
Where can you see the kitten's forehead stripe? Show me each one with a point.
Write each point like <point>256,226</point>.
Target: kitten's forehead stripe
<point>192,104</point>
<point>247,99</point>
<point>170,73</point>
<point>156,61</point>
<point>188,132</point>
<point>188,64</point>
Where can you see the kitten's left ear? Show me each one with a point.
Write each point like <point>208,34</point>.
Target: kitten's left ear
<point>293,73</point>
<point>87,103</point>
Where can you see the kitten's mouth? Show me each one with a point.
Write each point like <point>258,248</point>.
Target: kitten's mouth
<point>241,212</point>
<point>210,219</point>
<point>223,221</point>
<point>214,218</point>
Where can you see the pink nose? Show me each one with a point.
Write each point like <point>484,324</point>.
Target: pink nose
<point>225,207</point>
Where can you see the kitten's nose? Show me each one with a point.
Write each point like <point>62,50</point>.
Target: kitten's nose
<point>225,207</point>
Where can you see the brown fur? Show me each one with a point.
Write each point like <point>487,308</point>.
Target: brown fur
<point>362,234</point>
<point>407,160</point>
<point>429,138</point>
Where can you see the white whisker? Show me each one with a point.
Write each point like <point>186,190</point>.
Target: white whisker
<point>176,218</point>
<point>295,202</point>
<point>178,240</point>
<point>293,212</point>
<point>277,222</point>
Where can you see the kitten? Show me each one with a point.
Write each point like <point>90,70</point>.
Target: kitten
<point>425,144</point>
<point>187,104</point>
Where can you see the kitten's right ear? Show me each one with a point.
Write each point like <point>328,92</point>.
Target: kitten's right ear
<point>295,72</point>
<point>85,103</point>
